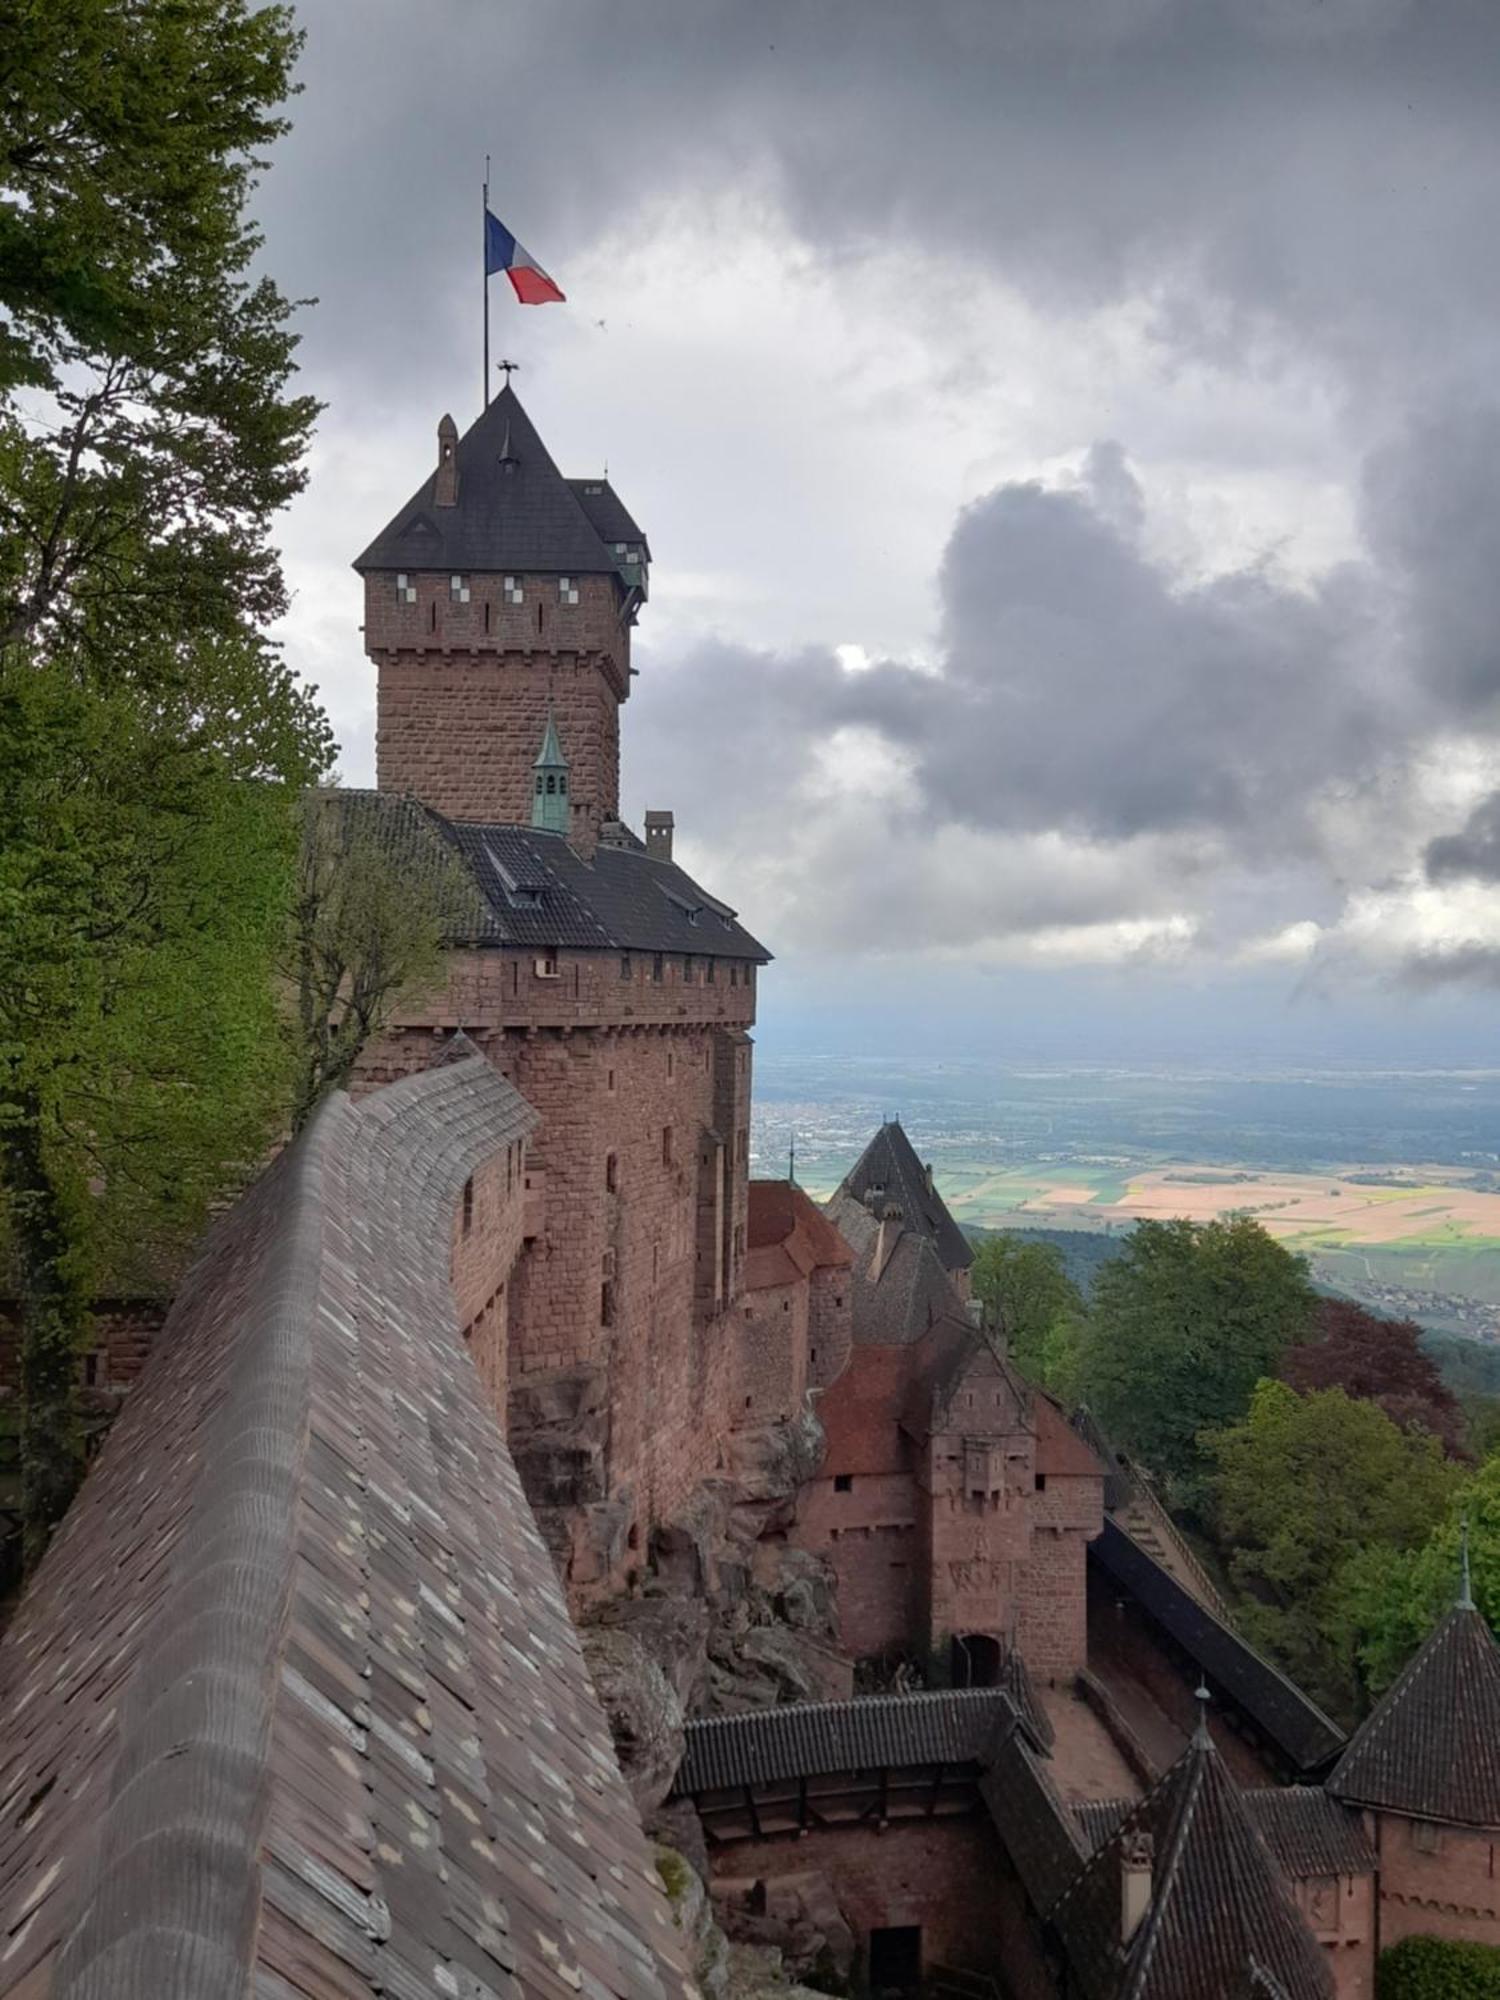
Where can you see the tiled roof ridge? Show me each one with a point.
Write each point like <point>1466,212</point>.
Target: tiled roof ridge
<point>862,1704</point>
<point>176,1788</point>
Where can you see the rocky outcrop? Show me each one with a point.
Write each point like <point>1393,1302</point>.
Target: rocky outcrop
<point>725,1968</point>
<point>647,1659</point>
<point>795,1916</point>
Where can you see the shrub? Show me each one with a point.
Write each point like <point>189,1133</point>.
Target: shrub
<point>1430,1968</point>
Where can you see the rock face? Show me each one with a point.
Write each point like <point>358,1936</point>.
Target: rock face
<point>726,1969</point>
<point>729,1616</point>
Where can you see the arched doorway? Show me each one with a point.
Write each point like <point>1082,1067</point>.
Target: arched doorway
<point>974,1660</point>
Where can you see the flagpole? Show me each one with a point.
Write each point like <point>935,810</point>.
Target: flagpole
<point>484,278</point>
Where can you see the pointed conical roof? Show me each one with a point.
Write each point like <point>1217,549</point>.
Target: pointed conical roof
<point>1220,1923</point>
<point>889,1163</point>
<point>550,756</point>
<point>1431,1744</point>
<point>514,510</point>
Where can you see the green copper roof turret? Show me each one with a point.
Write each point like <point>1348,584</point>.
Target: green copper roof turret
<point>549,798</point>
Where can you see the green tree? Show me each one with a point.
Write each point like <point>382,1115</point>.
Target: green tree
<point>150,738</point>
<point>1396,1601</point>
<point>1181,1327</point>
<point>369,917</point>
<point>1301,1486</point>
<point>1027,1295</point>
<point>1434,1968</point>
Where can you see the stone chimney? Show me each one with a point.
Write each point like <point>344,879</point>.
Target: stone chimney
<point>1135,1883</point>
<point>659,827</point>
<point>446,493</point>
<point>885,1240</point>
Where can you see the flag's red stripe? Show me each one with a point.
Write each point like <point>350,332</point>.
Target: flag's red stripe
<point>533,287</point>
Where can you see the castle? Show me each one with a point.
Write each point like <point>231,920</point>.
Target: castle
<point>507,1348</point>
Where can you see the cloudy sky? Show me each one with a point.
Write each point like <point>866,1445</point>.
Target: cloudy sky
<point>1069,437</point>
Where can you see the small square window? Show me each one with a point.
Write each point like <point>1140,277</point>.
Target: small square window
<point>513,591</point>
<point>567,590</point>
<point>458,589</point>
<point>406,590</point>
<point>843,1482</point>
<point>1041,1482</point>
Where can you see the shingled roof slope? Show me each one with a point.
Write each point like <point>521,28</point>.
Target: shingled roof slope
<point>1431,1745</point>
<point>809,1739</point>
<point>1220,1914</point>
<point>1308,1832</point>
<point>1046,1846</point>
<point>294,1700</point>
<point>1298,1728</point>
<point>913,1291</point>
<point>890,1164</point>
<point>611,518</point>
<point>514,510</point>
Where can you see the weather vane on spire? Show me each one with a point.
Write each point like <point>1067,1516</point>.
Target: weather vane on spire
<point>507,369</point>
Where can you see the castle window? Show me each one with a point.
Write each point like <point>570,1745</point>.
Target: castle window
<point>708,971</point>
<point>513,591</point>
<point>687,970</point>
<point>609,1082</point>
<point>567,590</point>
<point>406,590</point>
<point>539,618</point>
<point>666,1145</point>
<point>458,589</point>
<point>551,784</point>
<point>734,975</point>
<point>1425,1837</point>
<point>607,1303</point>
<point>611,1174</point>
<point>486,614</point>
<point>843,1482</point>
<point>468,1204</point>
<point>657,968</point>
<point>671,1065</point>
<point>1041,1482</point>
<point>432,616</point>
<point>624,964</point>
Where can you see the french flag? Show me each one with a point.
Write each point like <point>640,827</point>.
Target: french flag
<point>503,253</point>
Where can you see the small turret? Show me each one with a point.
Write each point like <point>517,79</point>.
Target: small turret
<point>549,800</point>
<point>445,493</point>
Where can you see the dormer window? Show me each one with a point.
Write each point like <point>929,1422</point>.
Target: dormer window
<point>458,589</point>
<point>513,591</point>
<point>567,590</point>
<point>406,590</point>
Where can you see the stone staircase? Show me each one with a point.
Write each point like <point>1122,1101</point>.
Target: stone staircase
<point>1147,1522</point>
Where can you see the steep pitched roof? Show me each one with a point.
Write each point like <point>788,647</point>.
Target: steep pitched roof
<point>514,510</point>
<point>1431,1745</point>
<point>781,1213</point>
<point>1220,1916</point>
<point>1308,1832</point>
<point>912,1291</point>
<point>294,1704</point>
<point>890,1165</point>
<point>611,518</point>
<point>1299,1729</point>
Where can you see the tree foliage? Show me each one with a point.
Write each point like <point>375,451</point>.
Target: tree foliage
<point>1300,1487</point>
<point>1027,1295</point>
<point>150,737</point>
<point>1182,1325</point>
<point>1380,1361</point>
<point>367,931</point>
<point>1396,1599</point>
<point>1433,1968</point>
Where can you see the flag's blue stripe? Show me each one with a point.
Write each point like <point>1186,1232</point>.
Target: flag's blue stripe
<point>499,245</point>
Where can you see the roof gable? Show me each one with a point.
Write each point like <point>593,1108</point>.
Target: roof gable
<point>1431,1745</point>
<point>513,511</point>
<point>1220,1913</point>
<point>889,1168</point>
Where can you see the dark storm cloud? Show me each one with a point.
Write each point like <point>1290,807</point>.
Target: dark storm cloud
<point>1317,171</point>
<point>1473,853</point>
<point>1080,687</point>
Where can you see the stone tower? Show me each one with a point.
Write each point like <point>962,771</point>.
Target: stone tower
<point>501,597</point>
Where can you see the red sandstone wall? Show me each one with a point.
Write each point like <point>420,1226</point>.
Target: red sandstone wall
<point>1450,1892</point>
<point>123,1333</point>
<point>463,692</point>
<point>830,1330</point>
<point>1053,1630</point>
<point>1340,1913</point>
<point>942,1874</point>
<point>487,1226</point>
<point>870,1536</point>
<point>771,1343</point>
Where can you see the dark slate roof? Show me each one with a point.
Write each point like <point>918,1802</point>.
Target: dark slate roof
<point>520,515</point>
<point>913,1291</point>
<point>293,1704</point>
<point>513,885</point>
<point>1044,1842</point>
<point>890,1164</point>
<point>1307,1830</point>
<point>1431,1745</point>
<point>1298,1728</point>
<point>1221,1917</point>
<point>809,1739</point>
<point>608,513</point>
